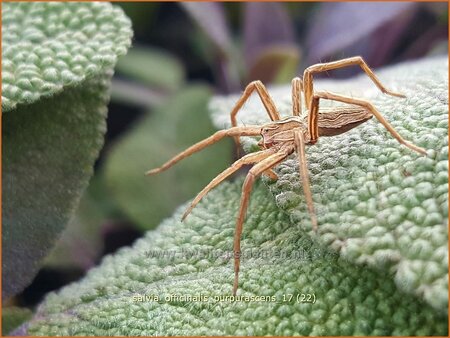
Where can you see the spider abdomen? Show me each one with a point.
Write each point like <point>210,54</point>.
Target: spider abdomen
<point>341,119</point>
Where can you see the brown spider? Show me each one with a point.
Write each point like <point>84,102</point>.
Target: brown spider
<point>284,136</point>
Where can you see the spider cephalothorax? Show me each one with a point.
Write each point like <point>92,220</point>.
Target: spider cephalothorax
<point>284,136</point>
<point>279,133</point>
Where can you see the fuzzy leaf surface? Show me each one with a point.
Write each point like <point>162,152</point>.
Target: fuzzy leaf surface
<point>194,258</point>
<point>47,46</point>
<point>57,63</point>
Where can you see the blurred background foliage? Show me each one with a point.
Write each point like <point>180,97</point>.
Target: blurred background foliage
<point>182,54</point>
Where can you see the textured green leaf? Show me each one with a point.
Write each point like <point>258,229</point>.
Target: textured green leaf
<point>182,121</point>
<point>377,202</point>
<point>193,258</point>
<point>152,67</point>
<point>47,46</point>
<point>57,63</point>
<point>81,243</point>
<point>49,149</point>
<point>12,317</point>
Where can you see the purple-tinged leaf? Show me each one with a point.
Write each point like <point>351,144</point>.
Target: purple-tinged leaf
<point>387,37</point>
<point>210,17</point>
<point>427,42</point>
<point>275,65</point>
<point>339,25</point>
<point>266,24</point>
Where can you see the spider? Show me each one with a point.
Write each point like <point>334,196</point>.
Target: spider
<point>283,136</point>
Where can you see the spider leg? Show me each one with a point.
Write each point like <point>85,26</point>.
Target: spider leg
<point>254,172</point>
<point>234,131</point>
<point>367,105</point>
<point>297,88</point>
<point>267,101</point>
<point>322,67</point>
<point>271,174</point>
<point>313,120</point>
<point>300,149</point>
<point>247,159</point>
